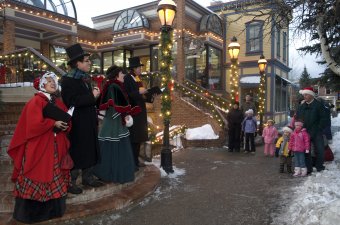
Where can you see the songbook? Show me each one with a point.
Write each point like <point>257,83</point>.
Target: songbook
<point>53,112</point>
<point>151,92</point>
<point>155,90</point>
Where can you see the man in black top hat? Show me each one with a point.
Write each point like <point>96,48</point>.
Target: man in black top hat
<point>78,92</point>
<point>136,92</point>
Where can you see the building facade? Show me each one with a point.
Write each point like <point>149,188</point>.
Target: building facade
<point>200,39</point>
<point>259,33</point>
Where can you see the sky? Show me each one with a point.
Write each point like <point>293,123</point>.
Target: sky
<point>86,11</point>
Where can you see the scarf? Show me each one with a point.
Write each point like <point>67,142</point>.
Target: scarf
<point>77,74</point>
<point>137,79</point>
<point>282,147</point>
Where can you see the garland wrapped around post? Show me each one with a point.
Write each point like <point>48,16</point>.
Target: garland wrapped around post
<point>165,69</point>
<point>166,44</point>
<point>262,63</point>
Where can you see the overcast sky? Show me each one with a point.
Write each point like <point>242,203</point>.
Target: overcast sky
<point>86,10</point>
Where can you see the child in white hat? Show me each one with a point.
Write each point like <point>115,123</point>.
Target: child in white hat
<point>282,150</point>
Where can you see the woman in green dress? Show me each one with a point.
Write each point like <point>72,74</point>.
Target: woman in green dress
<point>117,163</point>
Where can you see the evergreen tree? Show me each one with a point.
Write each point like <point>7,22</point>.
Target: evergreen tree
<point>305,80</point>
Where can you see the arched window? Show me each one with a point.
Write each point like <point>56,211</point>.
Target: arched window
<point>130,19</point>
<point>211,23</point>
<point>63,7</point>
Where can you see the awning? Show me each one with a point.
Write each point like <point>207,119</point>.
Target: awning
<point>250,80</point>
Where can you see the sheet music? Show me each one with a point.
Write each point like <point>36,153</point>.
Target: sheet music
<point>70,110</point>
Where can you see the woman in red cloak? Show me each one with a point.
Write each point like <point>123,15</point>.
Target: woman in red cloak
<point>38,146</point>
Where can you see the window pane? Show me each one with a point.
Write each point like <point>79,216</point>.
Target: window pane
<point>215,69</point>
<point>118,58</point>
<point>254,38</point>
<point>190,69</point>
<point>107,60</point>
<point>202,73</point>
<point>95,64</point>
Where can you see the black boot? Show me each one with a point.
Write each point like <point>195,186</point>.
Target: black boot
<point>89,179</point>
<point>74,189</point>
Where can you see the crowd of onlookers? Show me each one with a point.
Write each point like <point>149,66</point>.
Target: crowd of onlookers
<point>304,139</point>
<point>58,147</point>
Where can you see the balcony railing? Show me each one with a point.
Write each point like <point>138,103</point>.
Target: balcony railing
<point>21,67</point>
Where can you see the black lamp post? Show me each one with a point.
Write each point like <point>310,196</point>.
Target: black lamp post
<point>234,50</point>
<point>262,63</point>
<point>166,12</point>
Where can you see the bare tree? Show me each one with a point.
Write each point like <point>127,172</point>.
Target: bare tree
<point>316,20</point>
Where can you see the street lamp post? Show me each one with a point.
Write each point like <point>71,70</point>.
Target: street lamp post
<point>262,63</point>
<point>234,50</point>
<point>166,12</point>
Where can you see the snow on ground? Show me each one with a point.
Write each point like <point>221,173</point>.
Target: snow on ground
<point>199,133</point>
<point>316,201</point>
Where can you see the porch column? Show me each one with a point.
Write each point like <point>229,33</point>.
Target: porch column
<point>45,49</point>
<point>9,36</point>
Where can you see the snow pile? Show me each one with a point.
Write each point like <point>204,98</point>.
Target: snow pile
<point>317,200</point>
<point>199,133</point>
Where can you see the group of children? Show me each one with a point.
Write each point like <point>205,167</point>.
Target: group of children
<point>294,142</point>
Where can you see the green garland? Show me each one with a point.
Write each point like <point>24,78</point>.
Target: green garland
<point>165,69</point>
<point>262,92</point>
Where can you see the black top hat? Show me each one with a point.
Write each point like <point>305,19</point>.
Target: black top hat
<point>135,62</point>
<point>75,52</point>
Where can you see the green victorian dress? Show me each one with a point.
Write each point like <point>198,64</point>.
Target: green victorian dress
<point>116,164</point>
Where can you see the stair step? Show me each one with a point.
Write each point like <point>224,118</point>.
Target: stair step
<point>6,183</point>
<point>89,194</point>
<point>7,202</point>
<point>4,143</point>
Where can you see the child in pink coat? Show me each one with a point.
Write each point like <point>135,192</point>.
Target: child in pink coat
<point>299,143</point>
<point>269,135</point>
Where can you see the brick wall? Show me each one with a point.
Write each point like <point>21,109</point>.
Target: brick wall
<point>9,36</point>
<point>183,114</point>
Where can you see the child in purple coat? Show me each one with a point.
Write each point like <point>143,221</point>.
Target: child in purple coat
<point>269,135</point>
<point>299,143</point>
<point>249,127</point>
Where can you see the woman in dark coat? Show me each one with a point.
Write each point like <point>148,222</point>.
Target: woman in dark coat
<point>117,163</point>
<point>77,92</point>
<point>234,118</point>
<point>136,93</point>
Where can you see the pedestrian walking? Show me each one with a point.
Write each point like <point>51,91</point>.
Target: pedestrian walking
<point>283,152</point>
<point>234,118</point>
<point>77,92</point>
<point>38,147</point>
<point>269,135</point>
<point>117,164</point>
<point>315,118</point>
<point>299,144</point>
<point>249,127</point>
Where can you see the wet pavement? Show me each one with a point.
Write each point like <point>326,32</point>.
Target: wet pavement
<point>217,188</point>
